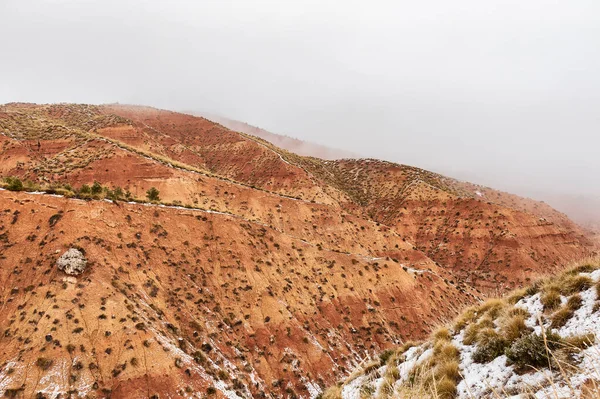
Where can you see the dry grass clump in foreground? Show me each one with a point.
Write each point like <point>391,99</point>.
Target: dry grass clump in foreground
<point>334,392</point>
<point>540,341</point>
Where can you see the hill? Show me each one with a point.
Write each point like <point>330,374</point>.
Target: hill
<point>252,271</point>
<point>541,341</point>
<point>291,144</point>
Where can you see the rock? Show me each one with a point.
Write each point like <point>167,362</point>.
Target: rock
<point>69,280</point>
<point>72,262</point>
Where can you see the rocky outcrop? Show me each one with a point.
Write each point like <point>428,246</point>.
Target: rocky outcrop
<point>72,262</point>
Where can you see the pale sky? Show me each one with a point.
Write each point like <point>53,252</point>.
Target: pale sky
<point>500,92</point>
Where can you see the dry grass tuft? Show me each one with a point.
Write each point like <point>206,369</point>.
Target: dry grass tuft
<point>570,284</point>
<point>492,307</point>
<point>550,298</point>
<point>334,392</point>
<point>516,296</point>
<point>467,317</point>
<point>472,331</point>
<point>513,326</point>
<point>561,317</point>
<point>445,388</point>
<point>442,333</point>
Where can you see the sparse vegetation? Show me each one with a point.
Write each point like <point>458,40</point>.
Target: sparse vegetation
<point>153,195</point>
<point>44,363</point>
<point>489,331</point>
<point>533,350</point>
<point>191,290</point>
<point>13,184</point>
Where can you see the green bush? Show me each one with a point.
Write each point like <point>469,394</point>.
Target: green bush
<point>85,189</point>
<point>14,184</point>
<point>96,188</point>
<point>153,194</point>
<point>532,350</point>
<point>490,346</point>
<point>117,193</point>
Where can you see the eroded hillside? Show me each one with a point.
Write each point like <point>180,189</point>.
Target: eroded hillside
<point>178,298</point>
<point>265,274</point>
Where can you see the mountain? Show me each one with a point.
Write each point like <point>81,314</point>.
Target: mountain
<point>291,144</point>
<point>582,209</point>
<point>215,263</point>
<point>540,341</point>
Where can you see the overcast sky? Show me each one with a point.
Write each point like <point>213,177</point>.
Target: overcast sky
<point>501,92</point>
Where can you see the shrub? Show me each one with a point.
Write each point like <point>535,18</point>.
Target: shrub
<point>385,355</point>
<point>14,184</point>
<point>85,190</point>
<point>334,392</point>
<point>199,357</point>
<point>580,341</point>
<point>442,334</point>
<point>562,316</point>
<point>223,375</point>
<point>117,193</point>
<point>518,311</point>
<point>14,392</point>
<point>468,316</point>
<point>449,369</point>
<point>492,307</point>
<point>582,269</point>
<point>471,332</point>
<point>516,296</point>
<point>54,219</point>
<point>445,350</point>
<point>532,350</point>
<point>533,289</point>
<point>153,194</point>
<point>490,345</point>
<point>44,363</point>
<point>96,188</point>
<point>29,185</point>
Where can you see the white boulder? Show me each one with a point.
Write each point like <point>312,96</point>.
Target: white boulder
<point>72,262</point>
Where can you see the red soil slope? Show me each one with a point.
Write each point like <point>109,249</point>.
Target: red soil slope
<point>280,275</point>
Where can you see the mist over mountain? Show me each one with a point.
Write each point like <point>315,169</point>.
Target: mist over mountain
<point>503,93</point>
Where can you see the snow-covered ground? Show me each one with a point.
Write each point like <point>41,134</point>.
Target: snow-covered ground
<point>498,377</point>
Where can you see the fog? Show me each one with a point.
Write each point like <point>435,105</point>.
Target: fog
<point>504,93</point>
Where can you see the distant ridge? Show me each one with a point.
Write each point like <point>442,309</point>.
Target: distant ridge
<point>294,145</point>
